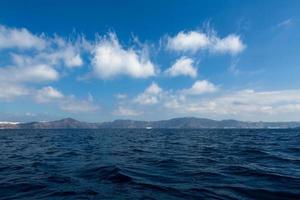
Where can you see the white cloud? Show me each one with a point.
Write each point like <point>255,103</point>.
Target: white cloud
<point>73,105</point>
<point>231,44</point>
<point>174,101</point>
<point>14,79</point>
<point>150,96</point>
<point>123,111</point>
<point>201,87</point>
<point>10,91</point>
<point>285,23</point>
<point>66,103</point>
<point>35,73</point>
<point>246,97</point>
<point>188,41</point>
<point>241,105</point>
<point>111,59</point>
<point>22,68</point>
<point>48,94</point>
<point>153,89</point>
<point>63,52</point>
<point>20,38</point>
<point>50,51</point>
<point>182,66</point>
<point>68,56</point>
<point>153,94</point>
<point>194,41</point>
<point>58,53</point>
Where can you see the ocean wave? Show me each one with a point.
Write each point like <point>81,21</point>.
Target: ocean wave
<point>137,164</point>
<point>106,173</point>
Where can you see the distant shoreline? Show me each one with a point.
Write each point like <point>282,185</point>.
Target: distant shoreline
<point>175,123</point>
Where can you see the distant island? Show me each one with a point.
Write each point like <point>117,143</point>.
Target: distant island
<point>176,123</point>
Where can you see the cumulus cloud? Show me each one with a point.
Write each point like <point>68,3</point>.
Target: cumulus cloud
<point>66,56</point>
<point>154,94</point>
<point>14,80</point>
<point>183,66</point>
<point>20,38</point>
<point>69,103</point>
<point>33,74</point>
<point>188,41</point>
<point>10,91</point>
<point>63,52</point>
<point>241,104</point>
<point>194,41</point>
<point>174,101</point>
<point>50,50</point>
<point>150,96</point>
<point>111,59</point>
<point>201,87</point>
<point>231,44</point>
<point>48,94</point>
<point>58,53</point>
<point>31,58</point>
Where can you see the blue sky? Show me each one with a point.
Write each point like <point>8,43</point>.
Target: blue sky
<point>149,60</point>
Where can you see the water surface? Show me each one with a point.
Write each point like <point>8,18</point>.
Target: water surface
<point>149,164</point>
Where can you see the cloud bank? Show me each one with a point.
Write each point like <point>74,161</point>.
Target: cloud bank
<point>34,62</point>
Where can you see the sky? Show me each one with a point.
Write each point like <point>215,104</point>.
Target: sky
<point>149,60</point>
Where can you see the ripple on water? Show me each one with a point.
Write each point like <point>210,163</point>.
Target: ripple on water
<point>156,164</point>
<point>106,173</point>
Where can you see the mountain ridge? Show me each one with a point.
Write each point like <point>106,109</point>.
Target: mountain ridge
<point>177,123</point>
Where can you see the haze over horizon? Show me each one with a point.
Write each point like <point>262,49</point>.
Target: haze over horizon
<point>149,60</point>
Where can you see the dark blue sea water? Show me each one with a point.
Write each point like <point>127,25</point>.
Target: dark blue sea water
<point>149,164</point>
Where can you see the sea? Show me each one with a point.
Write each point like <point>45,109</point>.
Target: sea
<point>150,164</point>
